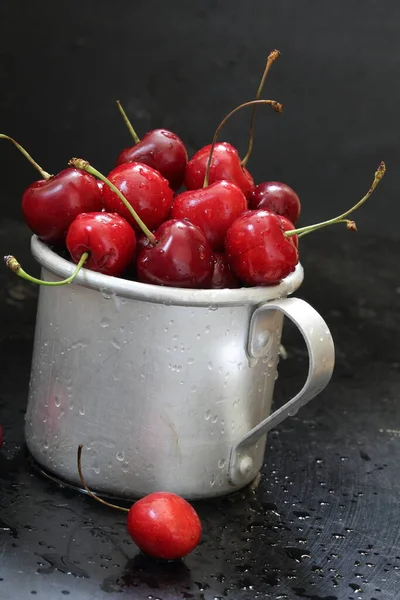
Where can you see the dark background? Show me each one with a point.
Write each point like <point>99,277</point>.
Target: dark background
<point>183,65</point>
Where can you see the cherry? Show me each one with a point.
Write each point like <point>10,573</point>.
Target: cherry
<point>213,209</point>
<point>146,191</point>
<point>225,165</point>
<point>257,249</point>
<point>222,275</point>
<point>181,257</point>
<point>107,237</point>
<point>276,197</point>
<point>160,149</point>
<point>164,525</point>
<point>51,204</point>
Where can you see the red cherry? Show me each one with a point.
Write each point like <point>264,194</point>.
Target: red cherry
<point>213,209</point>
<point>257,249</point>
<point>49,206</point>
<point>162,150</point>
<point>145,189</point>
<point>222,276</point>
<point>181,258</point>
<point>276,197</point>
<point>108,238</point>
<point>225,164</point>
<point>164,525</point>
<point>287,226</point>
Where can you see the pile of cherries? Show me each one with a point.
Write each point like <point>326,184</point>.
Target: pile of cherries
<point>222,231</point>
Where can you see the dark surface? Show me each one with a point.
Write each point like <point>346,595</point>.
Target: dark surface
<point>323,523</point>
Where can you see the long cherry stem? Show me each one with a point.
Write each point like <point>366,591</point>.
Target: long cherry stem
<point>275,105</point>
<point>350,225</point>
<point>341,218</point>
<point>45,175</point>
<point>13,265</point>
<point>128,123</point>
<point>270,61</point>
<point>83,482</point>
<point>82,164</point>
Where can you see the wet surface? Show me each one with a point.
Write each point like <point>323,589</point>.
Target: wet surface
<point>322,523</point>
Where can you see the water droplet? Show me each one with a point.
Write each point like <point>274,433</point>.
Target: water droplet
<point>175,337</point>
<point>116,344</point>
<point>190,361</point>
<point>81,411</point>
<point>120,456</point>
<point>104,322</point>
<point>210,366</point>
<point>221,463</point>
<point>57,401</point>
<point>321,339</point>
<point>213,307</point>
<point>207,329</point>
<point>214,419</point>
<point>207,415</point>
<point>106,293</point>
<point>212,480</point>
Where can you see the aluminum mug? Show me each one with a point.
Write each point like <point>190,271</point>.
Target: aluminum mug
<point>166,388</point>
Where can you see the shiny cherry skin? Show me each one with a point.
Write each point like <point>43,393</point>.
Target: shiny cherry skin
<point>276,197</point>
<point>145,189</point>
<point>213,209</point>
<point>109,239</point>
<point>181,258</point>
<point>288,226</point>
<point>222,275</point>
<point>257,249</point>
<point>162,150</point>
<point>225,164</point>
<point>50,206</point>
<point>164,525</point>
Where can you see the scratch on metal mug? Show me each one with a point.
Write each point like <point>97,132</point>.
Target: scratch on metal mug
<point>167,388</point>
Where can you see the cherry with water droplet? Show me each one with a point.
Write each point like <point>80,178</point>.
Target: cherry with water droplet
<point>276,197</point>
<point>146,190</point>
<point>107,237</point>
<point>213,209</point>
<point>181,257</point>
<point>160,149</point>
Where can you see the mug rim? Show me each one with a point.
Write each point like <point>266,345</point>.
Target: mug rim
<point>62,268</point>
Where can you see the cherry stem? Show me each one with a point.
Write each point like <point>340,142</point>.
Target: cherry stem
<point>270,61</point>
<point>83,482</point>
<point>13,265</point>
<point>79,163</point>
<point>275,105</point>
<point>350,225</point>
<point>45,175</point>
<point>128,123</point>
<point>342,218</point>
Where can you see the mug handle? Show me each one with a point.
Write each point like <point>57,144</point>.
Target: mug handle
<point>321,362</point>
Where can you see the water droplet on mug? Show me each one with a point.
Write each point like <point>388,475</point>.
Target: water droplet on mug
<point>174,337</point>
<point>106,293</point>
<point>190,361</point>
<point>321,339</point>
<point>210,366</point>
<point>46,446</point>
<point>221,463</point>
<point>104,322</point>
<point>207,415</point>
<point>214,419</point>
<point>81,411</point>
<point>57,401</point>
<point>213,307</point>
<point>120,456</point>
<point>116,344</point>
<point>207,329</point>
<point>212,480</point>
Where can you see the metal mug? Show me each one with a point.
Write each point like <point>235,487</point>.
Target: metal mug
<point>167,388</point>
